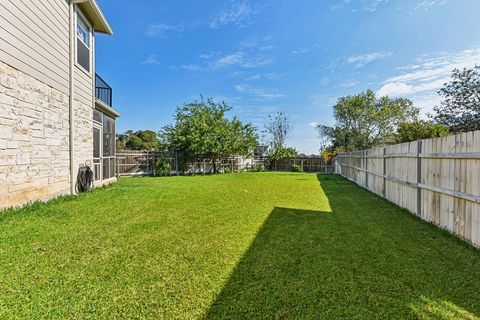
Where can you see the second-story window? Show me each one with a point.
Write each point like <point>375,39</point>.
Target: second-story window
<point>83,43</point>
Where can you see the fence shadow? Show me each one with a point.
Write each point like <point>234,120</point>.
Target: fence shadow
<point>365,259</point>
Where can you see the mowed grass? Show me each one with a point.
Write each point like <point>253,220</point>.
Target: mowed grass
<point>239,246</point>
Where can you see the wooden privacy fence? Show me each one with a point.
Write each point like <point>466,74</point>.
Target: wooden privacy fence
<point>138,162</point>
<point>307,164</point>
<point>437,179</point>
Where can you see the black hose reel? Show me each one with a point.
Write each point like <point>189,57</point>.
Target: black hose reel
<point>84,179</point>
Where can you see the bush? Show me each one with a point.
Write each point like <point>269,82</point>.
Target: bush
<point>260,167</point>
<point>296,168</point>
<point>162,167</point>
<point>227,170</point>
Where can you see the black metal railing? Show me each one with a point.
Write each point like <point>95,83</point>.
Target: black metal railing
<point>103,91</point>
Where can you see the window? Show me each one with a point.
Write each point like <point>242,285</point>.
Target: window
<point>83,43</point>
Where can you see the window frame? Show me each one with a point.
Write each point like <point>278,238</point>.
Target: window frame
<point>80,16</point>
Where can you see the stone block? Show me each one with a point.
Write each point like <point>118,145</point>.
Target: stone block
<point>12,144</point>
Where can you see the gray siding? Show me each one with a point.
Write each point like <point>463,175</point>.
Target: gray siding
<point>35,41</point>
<point>83,87</point>
<point>34,38</point>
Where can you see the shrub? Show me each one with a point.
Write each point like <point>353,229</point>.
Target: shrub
<point>162,167</point>
<point>296,168</point>
<point>260,167</point>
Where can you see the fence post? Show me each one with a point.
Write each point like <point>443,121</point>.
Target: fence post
<point>153,164</point>
<point>419,178</point>
<point>384,172</point>
<point>366,167</point>
<point>148,163</point>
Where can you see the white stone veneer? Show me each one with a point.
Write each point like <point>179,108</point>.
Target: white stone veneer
<point>34,139</point>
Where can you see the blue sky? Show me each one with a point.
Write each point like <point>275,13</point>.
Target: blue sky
<point>291,56</point>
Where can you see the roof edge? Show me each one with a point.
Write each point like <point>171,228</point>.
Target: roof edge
<point>102,106</point>
<point>93,12</point>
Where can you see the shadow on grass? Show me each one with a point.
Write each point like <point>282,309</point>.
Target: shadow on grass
<point>365,259</point>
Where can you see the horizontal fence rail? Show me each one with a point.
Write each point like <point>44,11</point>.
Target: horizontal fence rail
<point>437,179</point>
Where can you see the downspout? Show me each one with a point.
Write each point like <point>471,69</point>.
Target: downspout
<point>71,98</point>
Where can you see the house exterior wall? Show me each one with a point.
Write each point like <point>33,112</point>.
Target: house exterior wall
<point>34,102</point>
<point>34,38</point>
<point>34,139</point>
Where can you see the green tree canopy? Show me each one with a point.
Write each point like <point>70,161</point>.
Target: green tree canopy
<point>201,130</point>
<point>364,121</point>
<point>460,109</point>
<point>418,130</point>
<point>138,140</point>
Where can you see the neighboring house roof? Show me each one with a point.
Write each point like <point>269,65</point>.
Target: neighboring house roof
<point>93,13</point>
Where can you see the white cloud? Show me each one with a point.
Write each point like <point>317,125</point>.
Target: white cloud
<point>236,74</point>
<point>313,124</point>
<point>269,76</point>
<point>240,88</point>
<point>373,5</point>
<point>395,89</point>
<point>367,5</point>
<point>256,62</point>
<point>340,4</point>
<point>161,30</point>
<point>256,44</point>
<point>228,60</point>
<point>152,59</point>
<point>258,93</point>
<point>208,56</point>
<point>426,5</point>
<point>191,67</point>
<point>240,13</point>
<point>242,59</point>
<point>421,80</point>
<point>299,51</point>
<point>349,83</point>
<point>364,59</point>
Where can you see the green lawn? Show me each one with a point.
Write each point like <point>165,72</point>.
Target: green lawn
<point>240,246</point>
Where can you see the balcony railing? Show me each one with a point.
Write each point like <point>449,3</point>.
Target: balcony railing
<point>103,91</point>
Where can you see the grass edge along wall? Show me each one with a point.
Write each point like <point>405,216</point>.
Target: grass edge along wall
<point>436,179</point>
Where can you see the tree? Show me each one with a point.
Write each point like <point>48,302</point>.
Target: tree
<point>202,131</point>
<point>122,139</point>
<point>460,110</point>
<point>278,131</point>
<point>364,121</point>
<point>418,130</point>
<point>139,140</point>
